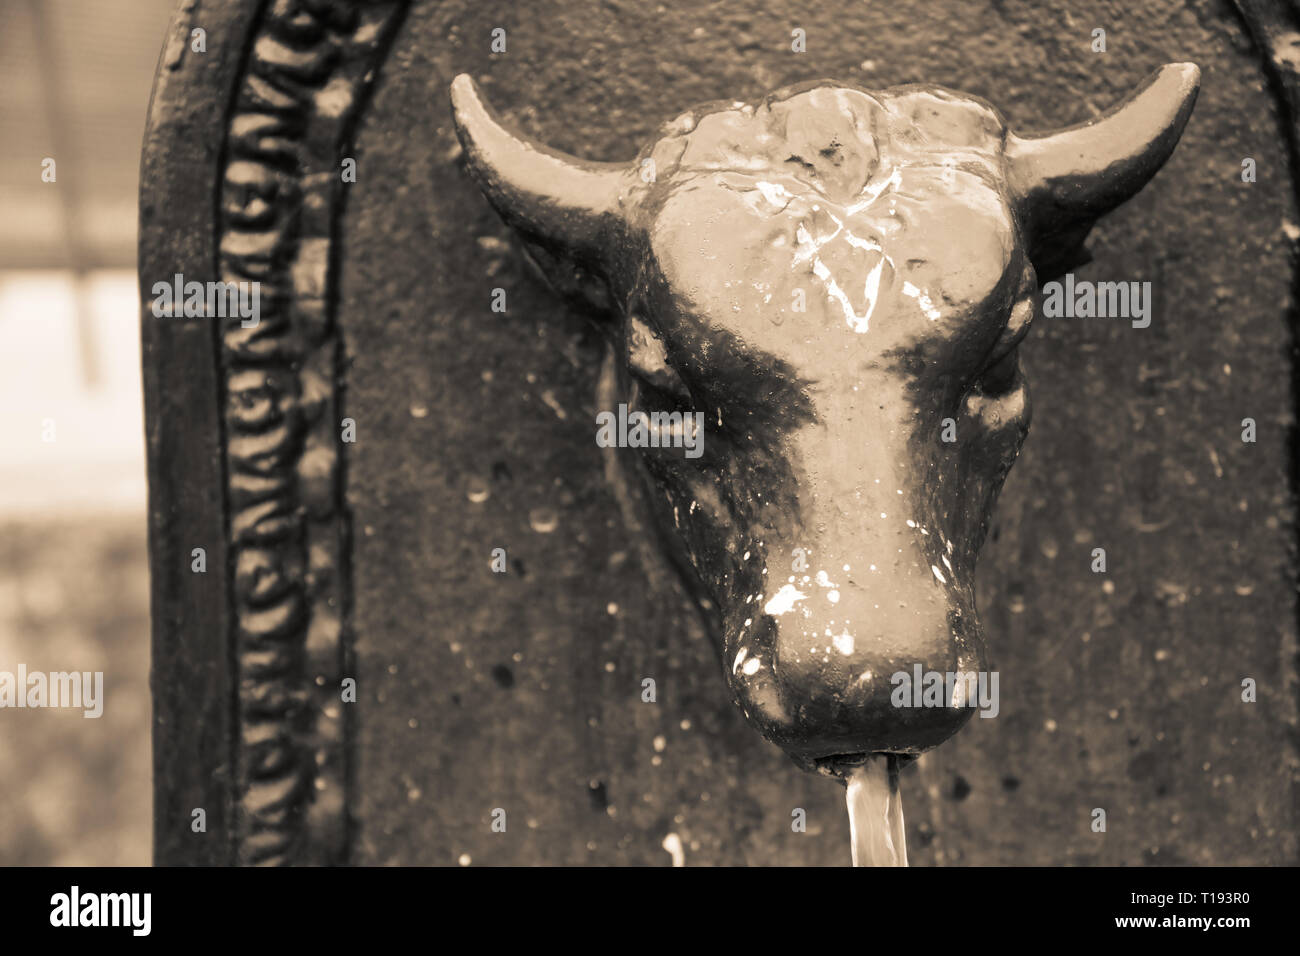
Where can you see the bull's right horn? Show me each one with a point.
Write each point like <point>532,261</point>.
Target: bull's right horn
<point>1074,175</point>
<point>549,196</point>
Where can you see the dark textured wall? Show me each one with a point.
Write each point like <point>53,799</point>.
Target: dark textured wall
<point>522,691</point>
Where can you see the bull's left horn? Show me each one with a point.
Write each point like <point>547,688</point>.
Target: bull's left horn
<point>549,196</point>
<point>1077,174</point>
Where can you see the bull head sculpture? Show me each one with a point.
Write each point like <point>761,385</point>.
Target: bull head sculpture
<point>839,280</point>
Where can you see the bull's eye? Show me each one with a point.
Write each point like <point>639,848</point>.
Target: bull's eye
<point>1000,375</point>
<point>648,362</point>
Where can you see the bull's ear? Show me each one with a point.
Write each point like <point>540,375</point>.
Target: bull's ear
<point>555,200</point>
<point>1065,180</point>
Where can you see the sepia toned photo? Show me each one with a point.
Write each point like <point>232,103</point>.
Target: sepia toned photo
<point>563,434</point>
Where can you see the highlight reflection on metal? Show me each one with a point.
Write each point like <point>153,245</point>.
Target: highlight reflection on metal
<point>839,279</point>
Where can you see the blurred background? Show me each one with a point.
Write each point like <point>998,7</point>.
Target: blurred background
<point>74,87</point>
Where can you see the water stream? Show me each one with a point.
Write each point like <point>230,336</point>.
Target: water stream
<point>876,812</point>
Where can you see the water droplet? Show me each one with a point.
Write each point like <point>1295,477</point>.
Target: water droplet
<point>477,491</point>
<point>419,411</point>
<point>543,520</point>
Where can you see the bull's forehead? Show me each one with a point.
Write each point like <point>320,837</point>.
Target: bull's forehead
<point>839,209</point>
<point>835,139</point>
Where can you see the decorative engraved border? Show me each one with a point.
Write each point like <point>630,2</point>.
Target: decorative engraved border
<point>306,74</point>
